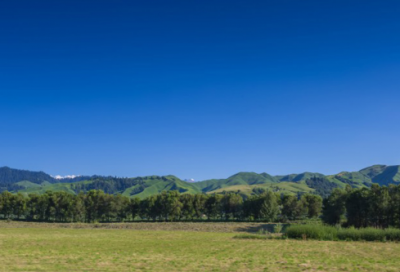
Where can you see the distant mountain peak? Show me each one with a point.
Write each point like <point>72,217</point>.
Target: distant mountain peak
<point>66,177</point>
<point>191,180</point>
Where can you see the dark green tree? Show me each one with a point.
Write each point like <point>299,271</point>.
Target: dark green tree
<point>213,206</point>
<point>313,203</point>
<point>269,207</point>
<point>334,207</point>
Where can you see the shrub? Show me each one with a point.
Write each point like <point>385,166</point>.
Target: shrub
<point>278,228</point>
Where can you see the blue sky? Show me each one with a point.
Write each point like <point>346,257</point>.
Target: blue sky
<point>199,89</point>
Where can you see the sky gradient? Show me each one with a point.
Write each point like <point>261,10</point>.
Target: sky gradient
<point>199,89</point>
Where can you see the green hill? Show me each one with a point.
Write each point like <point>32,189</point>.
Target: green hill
<point>299,177</point>
<point>245,182</point>
<point>242,178</point>
<point>382,174</point>
<point>9,176</point>
<point>282,187</point>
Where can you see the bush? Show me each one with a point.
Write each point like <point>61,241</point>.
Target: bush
<point>278,228</point>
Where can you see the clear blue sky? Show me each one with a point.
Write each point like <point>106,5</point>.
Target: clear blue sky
<point>199,89</point>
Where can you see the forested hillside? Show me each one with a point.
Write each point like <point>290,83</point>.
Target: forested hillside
<point>244,183</point>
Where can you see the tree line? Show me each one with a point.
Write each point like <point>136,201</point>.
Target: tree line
<point>378,206</point>
<point>95,205</point>
<point>363,207</point>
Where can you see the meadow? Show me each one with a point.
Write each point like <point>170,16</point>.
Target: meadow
<point>188,247</point>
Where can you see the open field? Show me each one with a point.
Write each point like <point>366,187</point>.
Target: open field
<point>28,248</point>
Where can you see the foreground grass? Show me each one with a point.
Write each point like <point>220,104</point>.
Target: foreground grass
<point>56,249</point>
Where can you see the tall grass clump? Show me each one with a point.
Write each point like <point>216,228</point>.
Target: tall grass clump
<point>392,234</point>
<point>317,232</point>
<point>278,228</point>
<point>369,234</point>
<point>345,234</point>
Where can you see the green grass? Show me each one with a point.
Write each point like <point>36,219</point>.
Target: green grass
<point>252,236</point>
<point>28,184</point>
<point>60,249</point>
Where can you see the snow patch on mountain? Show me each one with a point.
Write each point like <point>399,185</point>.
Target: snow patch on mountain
<point>66,177</point>
<point>189,180</point>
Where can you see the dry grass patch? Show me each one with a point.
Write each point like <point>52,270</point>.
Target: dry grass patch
<point>168,226</point>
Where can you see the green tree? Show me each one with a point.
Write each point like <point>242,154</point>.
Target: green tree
<point>379,204</point>
<point>79,208</point>
<point>289,206</point>
<point>269,207</point>
<point>169,205</point>
<point>231,205</point>
<point>6,199</point>
<point>199,202</point>
<point>394,206</point>
<point>188,210</point>
<point>213,206</point>
<point>134,207</point>
<point>18,205</point>
<point>334,207</point>
<point>94,205</point>
<point>313,203</point>
<point>358,208</point>
<point>148,208</point>
<point>121,207</point>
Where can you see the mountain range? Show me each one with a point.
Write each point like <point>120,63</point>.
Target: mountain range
<point>245,183</point>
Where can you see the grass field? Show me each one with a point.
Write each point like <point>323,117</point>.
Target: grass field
<point>40,248</point>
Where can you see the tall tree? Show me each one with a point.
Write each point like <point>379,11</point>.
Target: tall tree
<point>6,200</point>
<point>134,207</point>
<point>269,207</point>
<point>231,205</point>
<point>213,206</point>
<point>379,204</point>
<point>334,207</point>
<point>19,205</point>
<point>313,203</point>
<point>199,202</point>
<point>188,210</point>
<point>358,208</point>
<point>289,206</point>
